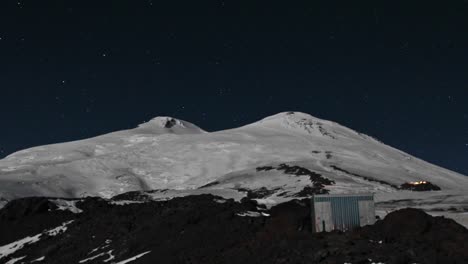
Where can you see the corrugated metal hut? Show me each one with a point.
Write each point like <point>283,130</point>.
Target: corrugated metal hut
<point>342,211</point>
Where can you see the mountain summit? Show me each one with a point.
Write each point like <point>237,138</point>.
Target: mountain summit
<point>169,125</point>
<point>276,159</point>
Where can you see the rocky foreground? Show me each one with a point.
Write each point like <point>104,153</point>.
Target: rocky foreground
<point>207,229</point>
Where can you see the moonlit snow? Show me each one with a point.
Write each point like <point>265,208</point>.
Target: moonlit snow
<point>11,248</point>
<point>65,205</point>
<point>179,158</point>
<point>133,258</point>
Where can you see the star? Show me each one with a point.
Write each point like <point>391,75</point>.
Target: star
<point>366,98</point>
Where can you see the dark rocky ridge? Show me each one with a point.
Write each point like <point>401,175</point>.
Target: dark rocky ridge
<point>426,186</point>
<point>317,179</point>
<point>209,229</point>
<point>364,177</point>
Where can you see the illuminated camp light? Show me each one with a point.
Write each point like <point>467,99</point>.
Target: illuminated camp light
<point>418,182</point>
<point>420,186</point>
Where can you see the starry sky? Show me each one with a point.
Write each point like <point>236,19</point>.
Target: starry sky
<point>396,70</point>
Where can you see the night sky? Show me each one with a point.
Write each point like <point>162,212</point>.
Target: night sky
<point>396,70</point>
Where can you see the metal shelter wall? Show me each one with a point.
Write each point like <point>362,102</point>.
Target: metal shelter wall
<point>345,212</point>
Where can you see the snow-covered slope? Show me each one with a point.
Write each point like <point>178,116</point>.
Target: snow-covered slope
<point>166,153</point>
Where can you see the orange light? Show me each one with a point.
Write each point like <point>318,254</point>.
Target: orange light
<point>418,182</point>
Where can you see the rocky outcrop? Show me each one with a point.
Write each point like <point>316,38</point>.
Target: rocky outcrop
<point>210,229</point>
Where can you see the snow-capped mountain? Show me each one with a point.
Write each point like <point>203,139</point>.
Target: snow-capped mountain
<point>276,159</point>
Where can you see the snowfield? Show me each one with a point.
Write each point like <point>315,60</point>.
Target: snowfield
<point>178,158</point>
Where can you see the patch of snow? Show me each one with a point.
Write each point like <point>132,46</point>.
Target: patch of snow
<point>133,258</point>
<point>94,250</point>
<point>107,194</point>
<point>107,244</point>
<point>111,256</point>
<point>109,253</point>
<point>15,246</point>
<point>66,205</point>
<point>58,230</point>
<point>250,214</point>
<point>125,202</point>
<point>11,248</point>
<point>92,258</point>
<point>13,261</point>
<point>38,259</point>
<point>267,201</point>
